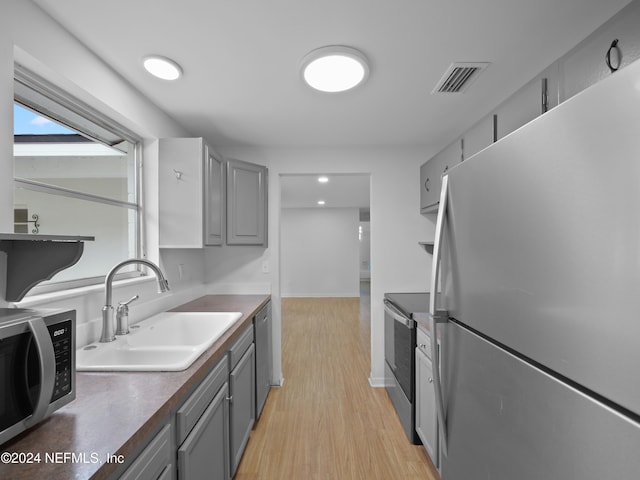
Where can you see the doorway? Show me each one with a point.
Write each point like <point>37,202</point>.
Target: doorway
<point>325,235</point>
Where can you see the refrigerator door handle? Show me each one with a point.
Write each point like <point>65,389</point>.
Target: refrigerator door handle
<point>438,316</point>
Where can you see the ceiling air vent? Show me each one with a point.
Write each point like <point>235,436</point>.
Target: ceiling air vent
<point>459,76</point>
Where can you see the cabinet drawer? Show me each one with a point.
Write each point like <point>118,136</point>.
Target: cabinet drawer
<point>423,341</point>
<point>154,461</point>
<point>192,409</point>
<point>240,346</point>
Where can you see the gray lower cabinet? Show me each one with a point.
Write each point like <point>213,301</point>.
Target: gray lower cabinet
<point>246,203</point>
<point>155,461</point>
<point>426,418</point>
<point>242,407</point>
<point>202,429</point>
<point>205,452</point>
<point>264,364</point>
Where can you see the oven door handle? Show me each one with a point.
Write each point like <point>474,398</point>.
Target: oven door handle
<point>47,364</point>
<point>398,316</point>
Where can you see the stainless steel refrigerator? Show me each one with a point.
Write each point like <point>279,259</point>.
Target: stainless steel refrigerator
<point>537,256</point>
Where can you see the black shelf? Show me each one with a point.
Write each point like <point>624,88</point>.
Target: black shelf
<point>428,246</point>
<point>32,259</point>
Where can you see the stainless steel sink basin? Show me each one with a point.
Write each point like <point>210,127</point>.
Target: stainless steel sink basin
<point>168,341</point>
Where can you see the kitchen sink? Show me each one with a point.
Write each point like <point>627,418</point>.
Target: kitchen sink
<point>168,341</point>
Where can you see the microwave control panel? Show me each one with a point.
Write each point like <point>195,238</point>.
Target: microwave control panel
<point>63,348</point>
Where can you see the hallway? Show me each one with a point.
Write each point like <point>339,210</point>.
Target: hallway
<point>326,422</point>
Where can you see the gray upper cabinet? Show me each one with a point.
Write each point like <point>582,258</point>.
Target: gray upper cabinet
<point>191,194</point>
<point>215,206</point>
<point>528,103</point>
<point>246,203</point>
<point>431,176</point>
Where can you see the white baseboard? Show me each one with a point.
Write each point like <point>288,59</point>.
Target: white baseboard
<point>377,382</point>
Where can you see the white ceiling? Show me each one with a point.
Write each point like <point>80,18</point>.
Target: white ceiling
<point>242,86</point>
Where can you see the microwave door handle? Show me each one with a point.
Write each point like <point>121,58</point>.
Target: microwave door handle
<point>47,364</point>
<point>437,316</point>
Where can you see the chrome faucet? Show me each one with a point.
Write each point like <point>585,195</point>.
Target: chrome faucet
<point>107,310</point>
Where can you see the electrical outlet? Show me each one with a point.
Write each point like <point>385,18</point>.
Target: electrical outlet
<point>180,271</point>
<point>265,267</point>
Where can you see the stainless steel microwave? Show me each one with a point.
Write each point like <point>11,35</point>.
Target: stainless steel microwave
<point>37,366</point>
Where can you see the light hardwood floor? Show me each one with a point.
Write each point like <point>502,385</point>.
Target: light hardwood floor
<point>327,422</point>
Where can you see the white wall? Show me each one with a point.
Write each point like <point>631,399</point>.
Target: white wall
<point>319,252</point>
<point>30,37</point>
<point>397,262</point>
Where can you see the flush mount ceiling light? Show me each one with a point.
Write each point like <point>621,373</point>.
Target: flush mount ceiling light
<point>321,202</point>
<point>162,67</point>
<point>334,68</point>
<point>323,179</point>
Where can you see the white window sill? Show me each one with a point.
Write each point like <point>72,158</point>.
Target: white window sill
<point>36,300</point>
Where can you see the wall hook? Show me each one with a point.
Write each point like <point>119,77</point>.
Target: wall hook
<point>178,174</point>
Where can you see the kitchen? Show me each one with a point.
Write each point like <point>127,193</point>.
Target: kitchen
<point>393,167</point>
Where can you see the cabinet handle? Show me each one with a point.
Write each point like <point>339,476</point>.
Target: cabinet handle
<point>426,184</point>
<point>545,95</point>
<point>430,380</point>
<point>229,399</point>
<point>615,48</point>
<point>422,345</point>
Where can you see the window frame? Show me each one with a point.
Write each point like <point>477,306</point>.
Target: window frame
<point>39,95</point>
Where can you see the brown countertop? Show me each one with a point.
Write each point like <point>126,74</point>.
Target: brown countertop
<point>114,412</point>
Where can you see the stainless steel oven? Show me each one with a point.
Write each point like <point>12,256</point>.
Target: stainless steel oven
<point>37,366</point>
<point>399,353</point>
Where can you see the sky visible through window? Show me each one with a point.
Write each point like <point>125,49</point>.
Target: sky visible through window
<point>26,122</point>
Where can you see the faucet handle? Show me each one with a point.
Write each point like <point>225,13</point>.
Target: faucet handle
<point>124,304</point>
<point>122,316</point>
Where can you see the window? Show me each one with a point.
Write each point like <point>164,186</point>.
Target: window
<point>75,173</point>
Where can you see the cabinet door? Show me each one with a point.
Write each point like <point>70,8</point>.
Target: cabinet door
<point>478,137</point>
<point>155,460</point>
<point>431,176</point>
<point>263,356</point>
<point>426,420</point>
<point>205,452</point>
<point>522,107</point>
<point>180,173</point>
<point>246,203</point>
<point>214,200</point>
<point>242,405</point>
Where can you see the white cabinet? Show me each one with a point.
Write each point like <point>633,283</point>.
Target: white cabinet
<point>192,200</point>
<point>246,203</point>
<point>426,417</point>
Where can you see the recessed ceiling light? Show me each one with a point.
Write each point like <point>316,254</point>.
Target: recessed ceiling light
<point>323,179</point>
<point>334,68</point>
<point>321,202</point>
<point>162,67</point>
